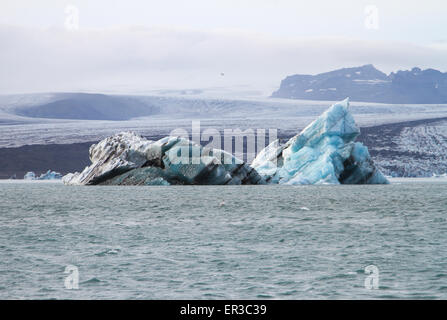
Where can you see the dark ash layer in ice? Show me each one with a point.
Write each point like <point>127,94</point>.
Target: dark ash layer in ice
<point>323,153</point>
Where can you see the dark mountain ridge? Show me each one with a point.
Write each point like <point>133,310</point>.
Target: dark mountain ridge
<point>367,84</point>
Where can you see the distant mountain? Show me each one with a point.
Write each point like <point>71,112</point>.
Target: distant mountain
<point>368,84</point>
<point>86,106</point>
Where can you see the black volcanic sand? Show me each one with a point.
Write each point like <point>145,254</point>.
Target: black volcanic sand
<point>39,158</point>
<point>65,158</point>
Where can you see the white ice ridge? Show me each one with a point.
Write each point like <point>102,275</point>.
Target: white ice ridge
<point>323,153</point>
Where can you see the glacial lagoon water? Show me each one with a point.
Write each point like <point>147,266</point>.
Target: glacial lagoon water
<point>230,242</point>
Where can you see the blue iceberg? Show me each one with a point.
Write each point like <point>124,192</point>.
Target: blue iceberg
<point>49,175</point>
<point>30,176</point>
<point>325,152</point>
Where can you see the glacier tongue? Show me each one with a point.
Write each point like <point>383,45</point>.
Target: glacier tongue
<point>325,152</point>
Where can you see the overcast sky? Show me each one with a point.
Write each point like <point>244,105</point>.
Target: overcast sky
<point>114,45</point>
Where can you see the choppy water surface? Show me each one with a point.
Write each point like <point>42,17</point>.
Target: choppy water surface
<point>211,242</point>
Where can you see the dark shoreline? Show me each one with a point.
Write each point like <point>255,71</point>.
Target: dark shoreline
<point>65,158</point>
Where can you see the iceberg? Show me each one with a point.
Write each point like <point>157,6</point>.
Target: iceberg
<point>129,159</point>
<point>30,176</point>
<point>325,152</point>
<point>49,175</point>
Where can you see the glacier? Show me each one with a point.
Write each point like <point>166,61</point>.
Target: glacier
<point>325,152</point>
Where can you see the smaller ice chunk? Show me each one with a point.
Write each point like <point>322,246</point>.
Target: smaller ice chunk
<point>30,176</point>
<point>50,175</point>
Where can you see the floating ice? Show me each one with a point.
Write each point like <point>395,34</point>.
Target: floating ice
<point>30,176</point>
<point>129,159</point>
<point>113,156</point>
<point>323,153</point>
<point>49,175</point>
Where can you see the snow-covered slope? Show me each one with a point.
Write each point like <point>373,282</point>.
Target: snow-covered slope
<point>168,113</point>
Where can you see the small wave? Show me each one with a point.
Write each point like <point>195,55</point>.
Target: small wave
<point>289,293</point>
<point>107,252</point>
<point>91,281</point>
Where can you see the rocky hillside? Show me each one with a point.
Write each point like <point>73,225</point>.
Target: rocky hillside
<point>368,84</point>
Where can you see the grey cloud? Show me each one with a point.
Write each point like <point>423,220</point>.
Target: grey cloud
<point>144,58</point>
